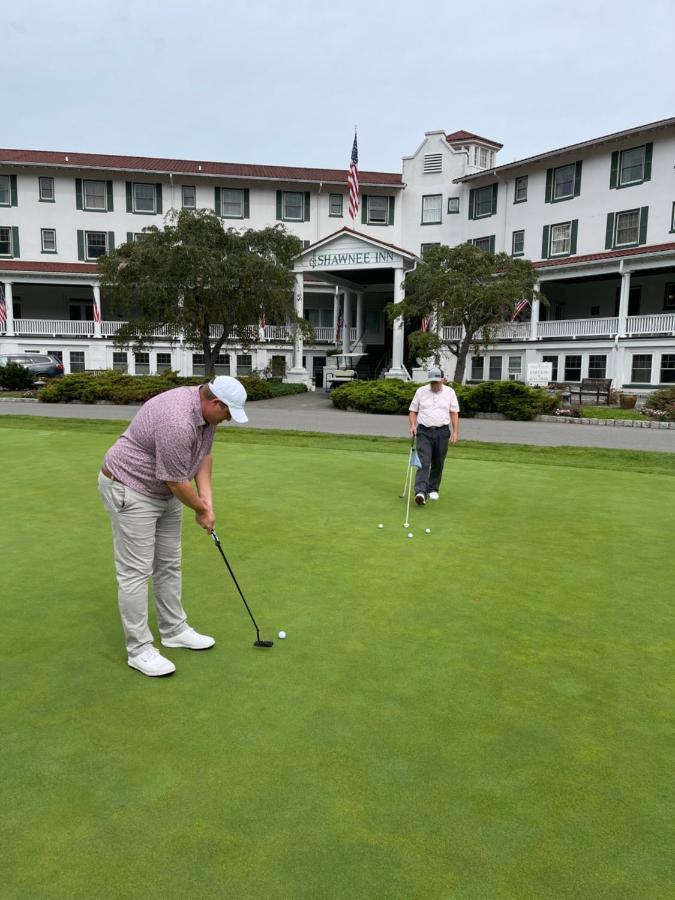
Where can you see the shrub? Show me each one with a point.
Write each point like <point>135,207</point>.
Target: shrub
<point>386,396</point>
<point>661,405</point>
<point>14,377</point>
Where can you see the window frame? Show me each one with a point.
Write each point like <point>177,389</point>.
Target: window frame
<point>9,190</point>
<point>284,215</point>
<point>45,178</point>
<point>672,218</point>
<point>87,257</point>
<point>484,215</point>
<point>632,243</point>
<point>521,252</point>
<point>556,169</point>
<point>619,182</point>
<point>439,213</point>
<point>516,198</point>
<point>190,187</point>
<point>42,240</point>
<point>116,363</point>
<point>634,367</point>
<point>602,368</point>
<point>454,202</point>
<point>424,248</point>
<point>669,296</point>
<point>670,368</point>
<point>10,242</point>
<point>78,362</point>
<point>242,203</point>
<point>488,238</point>
<point>134,208</point>
<point>88,181</point>
<point>567,366</point>
<point>567,252</point>
<point>331,199</point>
<point>382,198</point>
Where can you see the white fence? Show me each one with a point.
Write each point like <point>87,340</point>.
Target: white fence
<point>571,328</point>
<point>53,327</point>
<point>662,324</point>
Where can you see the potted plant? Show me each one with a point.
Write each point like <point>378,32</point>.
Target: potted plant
<point>627,401</point>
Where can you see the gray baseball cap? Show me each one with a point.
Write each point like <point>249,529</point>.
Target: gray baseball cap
<point>435,374</point>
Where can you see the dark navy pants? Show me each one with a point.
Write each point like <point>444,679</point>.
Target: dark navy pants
<point>432,448</point>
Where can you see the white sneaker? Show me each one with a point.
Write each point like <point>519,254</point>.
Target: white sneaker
<point>151,662</point>
<point>433,495</point>
<point>190,639</point>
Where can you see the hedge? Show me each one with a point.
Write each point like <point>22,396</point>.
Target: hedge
<point>14,377</point>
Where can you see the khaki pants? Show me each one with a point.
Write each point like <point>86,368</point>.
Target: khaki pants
<point>147,544</point>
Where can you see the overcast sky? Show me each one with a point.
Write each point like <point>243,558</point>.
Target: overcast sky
<point>260,81</point>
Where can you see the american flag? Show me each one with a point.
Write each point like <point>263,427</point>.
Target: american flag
<point>353,181</point>
<point>97,312</point>
<point>3,306</point>
<point>520,306</point>
<point>426,321</point>
<point>340,323</point>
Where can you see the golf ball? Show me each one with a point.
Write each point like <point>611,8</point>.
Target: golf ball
<point>427,530</point>
<point>282,635</point>
<point>380,525</point>
<point>410,534</point>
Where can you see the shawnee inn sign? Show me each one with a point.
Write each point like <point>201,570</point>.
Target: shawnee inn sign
<point>354,258</point>
<point>349,250</point>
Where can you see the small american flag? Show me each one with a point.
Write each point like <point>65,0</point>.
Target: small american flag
<point>97,312</point>
<point>353,180</point>
<point>3,306</point>
<point>426,321</point>
<point>340,323</point>
<point>520,306</point>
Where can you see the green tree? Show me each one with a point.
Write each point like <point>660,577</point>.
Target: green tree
<point>464,286</point>
<point>194,274</point>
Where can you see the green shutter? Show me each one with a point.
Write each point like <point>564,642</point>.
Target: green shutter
<point>14,196</point>
<point>544,242</point>
<point>280,209</point>
<point>130,237</point>
<point>109,188</point>
<point>158,199</point>
<point>217,204</point>
<point>614,170</point>
<point>648,162</point>
<point>609,232</point>
<point>130,206</point>
<point>364,209</point>
<point>80,244</point>
<point>644,213</point>
<point>247,203</point>
<point>16,252</point>
<point>577,178</point>
<point>492,243</point>
<point>306,211</point>
<point>495,192</point>
<point>549,185</point>
<point>573,237</point>
<point>111,241</point>
<point>472,198</point>
<point>78,193</point>
<point>392,203</point>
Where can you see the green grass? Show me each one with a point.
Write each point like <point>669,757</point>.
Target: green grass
<point>482,712</point>
<point>611,412</point>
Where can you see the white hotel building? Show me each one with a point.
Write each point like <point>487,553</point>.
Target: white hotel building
<point>596,218</point>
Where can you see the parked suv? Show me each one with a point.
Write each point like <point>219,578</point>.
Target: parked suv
<point>40,364</point>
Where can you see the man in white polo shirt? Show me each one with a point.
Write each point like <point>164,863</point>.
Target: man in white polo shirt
<point>433,408</point>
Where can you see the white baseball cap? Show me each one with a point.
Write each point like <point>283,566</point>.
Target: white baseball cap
<point>232,393</point>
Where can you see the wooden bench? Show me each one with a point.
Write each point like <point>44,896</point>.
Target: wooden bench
<point>593,387</point>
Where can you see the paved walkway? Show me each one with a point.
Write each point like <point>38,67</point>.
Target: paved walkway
<point>315,412</point>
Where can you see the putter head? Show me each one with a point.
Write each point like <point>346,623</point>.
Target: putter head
<point>263,643</point>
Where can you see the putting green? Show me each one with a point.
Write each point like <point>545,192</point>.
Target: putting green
<point>480,712</point>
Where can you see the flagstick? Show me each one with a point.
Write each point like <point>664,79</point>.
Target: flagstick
<point>406,524</point>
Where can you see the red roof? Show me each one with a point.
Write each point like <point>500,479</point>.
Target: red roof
<point>191,167</point>
<point>457,136</point>
<point>609,254</point>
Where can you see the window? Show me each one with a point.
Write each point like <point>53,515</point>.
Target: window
<point>335,205</point>
<point>485,201</point>
<point>143,198</point>
<point>554,363</point>
<point>378,210</point>
<point>198,364</point>
<point>476,368</point>
<point>520,191</point>
<point>486,158</point>
<point>96,243</point>
<point>669,297</point>
<point>142,363</point>
<point>433,162</point>
<point>232,203</point>
<point>189,196</point>
<point>5,241</point>
<point>495,368</point>
<point>48,236</point>
<point>632,166</point>
<point>667,368</point>
<point>561,239</point>
<point>597,366</point>
<point>595,312</point>
<point>245,362</point>
<point>292,206</point>
<point>518,243</point>
<point>563,182</point>
<point>572,368</point>
<point>5,191</point>
<point>120,361</point>
<point>453,205</point>
<point>485,243</point>
<point>641,369</point>
<point>432,209</point>
<point>424,249</point>
<point>626,226</point>
<point>80,311</point>
<point>57,353</point>
<point>76,360</point>
<point>94,195</point>
<point>138,236</point>
<point>163,363</point>
<point>278,365</point>
<point>46,189</point>
<point>222,364</point>
<point>515,368</point>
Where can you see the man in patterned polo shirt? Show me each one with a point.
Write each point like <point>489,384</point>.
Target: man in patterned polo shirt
<point>433,408</point>
<point>145,481</point>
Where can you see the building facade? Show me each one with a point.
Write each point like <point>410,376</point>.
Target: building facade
<point>596,218</point>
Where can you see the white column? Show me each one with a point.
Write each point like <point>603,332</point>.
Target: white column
<point>298,373</point>
<point>397,370</point>
<point>9,307</point>
<point>534,321</point>
<point>336,309</point>
<point>623,302</point>
<point>97,306</point>
<point>347,319</point>
<point>360,331</point>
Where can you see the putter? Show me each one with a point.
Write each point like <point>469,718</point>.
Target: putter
<point>257,642</point>
<point>408,468</point>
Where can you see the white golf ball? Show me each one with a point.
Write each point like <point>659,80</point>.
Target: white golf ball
<point>427,530</point>
<point>282,635</point>
<point>410,534</point>
<point>380,525</point>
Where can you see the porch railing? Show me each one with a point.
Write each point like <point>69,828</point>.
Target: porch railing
<point>53,327</point>
<point>661,324</point>
<point>108,329</point>
<point>452,333</point>
<point>572,328</point>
